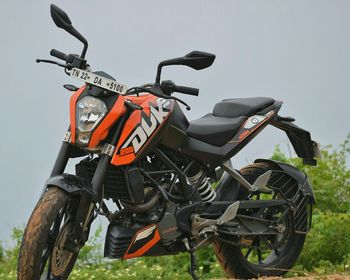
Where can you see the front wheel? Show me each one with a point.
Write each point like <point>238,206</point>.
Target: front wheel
<point>261,256</point>
<point>43,253</point>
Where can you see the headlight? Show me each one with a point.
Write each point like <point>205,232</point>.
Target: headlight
<point>90,111</point>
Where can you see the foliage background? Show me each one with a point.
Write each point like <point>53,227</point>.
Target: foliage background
<point>327,247</point>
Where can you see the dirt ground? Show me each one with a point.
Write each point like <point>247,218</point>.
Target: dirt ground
<point>318,277</point>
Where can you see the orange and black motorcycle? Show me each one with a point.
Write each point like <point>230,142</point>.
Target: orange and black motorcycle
<point>158,169</point>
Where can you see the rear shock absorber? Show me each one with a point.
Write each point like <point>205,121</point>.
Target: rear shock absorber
<point>203,186</point>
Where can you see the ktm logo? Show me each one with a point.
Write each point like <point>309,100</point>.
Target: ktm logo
<point>147,125</point>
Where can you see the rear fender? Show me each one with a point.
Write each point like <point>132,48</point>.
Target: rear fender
<point>300,177</point>
<point>71,184</point>
<point>304,146</point>
<point>303,200</point>
<point>229,188</point>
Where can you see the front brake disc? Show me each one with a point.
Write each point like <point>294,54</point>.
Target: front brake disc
<point>61,257</point>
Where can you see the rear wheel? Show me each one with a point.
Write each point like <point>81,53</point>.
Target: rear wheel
<point>261,256</point>
<point>43,253</point>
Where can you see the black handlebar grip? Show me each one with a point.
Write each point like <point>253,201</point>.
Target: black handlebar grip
<point>187,90</point>
<point>58,54</point>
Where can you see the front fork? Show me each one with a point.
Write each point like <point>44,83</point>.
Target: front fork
<point>88,199</point>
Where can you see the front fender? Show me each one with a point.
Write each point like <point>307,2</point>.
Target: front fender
<point>299,176</point>
<point>71,184</point>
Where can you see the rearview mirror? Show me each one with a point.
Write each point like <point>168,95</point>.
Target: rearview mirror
<point>196,59</point>
<point>62,20</point>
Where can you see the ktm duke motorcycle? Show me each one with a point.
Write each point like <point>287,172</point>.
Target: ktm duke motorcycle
<point>158,168</point>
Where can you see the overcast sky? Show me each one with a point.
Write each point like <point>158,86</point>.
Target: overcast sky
<point>295,51</point>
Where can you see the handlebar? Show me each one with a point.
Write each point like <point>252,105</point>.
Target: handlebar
<point>164,90</point>
<point>58,54</point>
<point>72,60</point>
<point>168,87</point>
<point>187,90</point>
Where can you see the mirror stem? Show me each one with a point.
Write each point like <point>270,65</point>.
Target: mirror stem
<point>81,38</point>
<point>83,53</point>
<point>174,61</point>
<point>159,71</point>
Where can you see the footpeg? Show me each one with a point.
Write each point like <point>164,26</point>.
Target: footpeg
<point>229,214</point>
<point>261,182</point>
<point>202,226</point>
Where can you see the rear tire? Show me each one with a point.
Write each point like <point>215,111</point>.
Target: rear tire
<point>36,236</point>
<point>231,257</point>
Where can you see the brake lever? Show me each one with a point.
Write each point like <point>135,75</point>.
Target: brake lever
<point>51,62</point>
<point>181,101</point>
<point>159,93</point>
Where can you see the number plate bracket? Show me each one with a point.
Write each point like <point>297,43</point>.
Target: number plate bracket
<point>97,80</point>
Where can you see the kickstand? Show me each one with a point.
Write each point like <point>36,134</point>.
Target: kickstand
<point>193,266</point>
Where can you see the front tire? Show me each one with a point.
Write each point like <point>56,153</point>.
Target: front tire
<point>44,229</point>
<point>238,264</point>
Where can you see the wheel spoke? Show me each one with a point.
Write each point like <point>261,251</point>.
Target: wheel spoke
<point>44,260</point>
<point>248,252</point>
<point>48,275</point>
<point>258,250</point>
<point>259,255</point>
<point>266,249</point>
<point>274,195</point>
<point>53,233</point>
<point>58,220</point>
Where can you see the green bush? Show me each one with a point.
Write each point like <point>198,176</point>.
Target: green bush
<point>90,254</point>
<point>330,179</point>
<point>166,267</point>
<point>8,257</point>
<point>1,252</point>
<point>326,250</point>
<point>328,241</point>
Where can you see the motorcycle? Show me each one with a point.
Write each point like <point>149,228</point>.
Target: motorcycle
<point>171,181</point>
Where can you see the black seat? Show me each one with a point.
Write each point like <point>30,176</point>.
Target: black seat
<point>231,108</point>
<point>228,116</point>
<point>215,130</point>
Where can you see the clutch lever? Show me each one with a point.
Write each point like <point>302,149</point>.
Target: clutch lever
<point>51,62</point>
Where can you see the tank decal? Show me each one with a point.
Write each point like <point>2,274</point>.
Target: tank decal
<point>140,128</point>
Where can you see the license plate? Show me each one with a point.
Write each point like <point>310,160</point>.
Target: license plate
<point>98,80</point>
